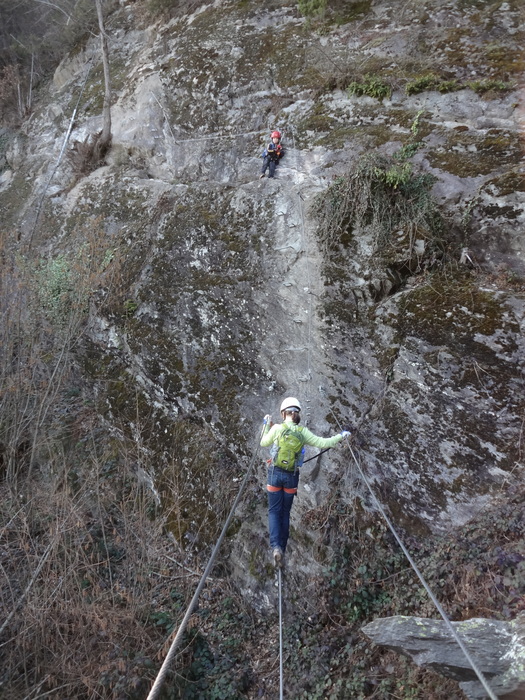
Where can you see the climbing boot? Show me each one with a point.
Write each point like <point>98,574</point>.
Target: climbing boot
<point>277,557</point>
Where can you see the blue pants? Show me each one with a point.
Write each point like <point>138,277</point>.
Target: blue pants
<point>282,487</point>
<point>269,163</point>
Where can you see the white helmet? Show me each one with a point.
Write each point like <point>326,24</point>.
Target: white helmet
<point>290,403</point>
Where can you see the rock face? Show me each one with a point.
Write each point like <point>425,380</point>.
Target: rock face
<point>496,647</point>
<point>228,297</point>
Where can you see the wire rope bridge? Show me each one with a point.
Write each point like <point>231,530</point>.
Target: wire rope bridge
<point>161,676</point>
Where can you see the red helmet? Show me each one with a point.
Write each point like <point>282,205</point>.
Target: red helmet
<point>276,135</point>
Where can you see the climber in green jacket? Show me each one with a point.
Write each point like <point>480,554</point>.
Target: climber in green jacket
<point>287,454</point>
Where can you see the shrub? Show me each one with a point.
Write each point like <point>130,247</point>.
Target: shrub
<point>372,86</point>
<point>86,156</point>
<point>488,85</point>
<point>130,307</point>
<point>311,8</point>
<point>43,308</point>
<point>93,590</point>
<point>383,193</point>
<point>431,82</point>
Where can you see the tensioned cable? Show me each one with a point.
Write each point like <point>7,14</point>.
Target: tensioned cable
<point>407,554</point>
<point>61,154</point>
<point>281,681</point>
<point>307,393</point>
<point>207,137</point>
<point>308,289</point>
<point>413,564</point>
<point>212,137</point>
<point>161,676</point>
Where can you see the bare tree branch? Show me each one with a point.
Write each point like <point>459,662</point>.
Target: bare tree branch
<point>56,7</point>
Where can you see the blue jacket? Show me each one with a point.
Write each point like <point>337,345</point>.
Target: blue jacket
<point>273,151</point>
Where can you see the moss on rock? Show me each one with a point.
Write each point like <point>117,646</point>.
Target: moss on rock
<point>469,154</point>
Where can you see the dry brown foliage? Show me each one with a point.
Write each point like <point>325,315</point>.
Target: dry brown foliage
<point>81,629</point>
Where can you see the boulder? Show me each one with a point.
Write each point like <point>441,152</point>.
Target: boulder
<point>497,647</point>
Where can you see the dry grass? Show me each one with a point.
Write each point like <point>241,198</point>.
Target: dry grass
<point>84,559</point>
<point>81,622</point>
<point>383,194</point>
<point>94,575</point>
<point>44,306</point>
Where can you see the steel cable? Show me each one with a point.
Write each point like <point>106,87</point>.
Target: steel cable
<point>306,289</point>
<point>161,676</point>
<point>407,554</point>
<point>420,576</point>
<point>169,657</point>
<point>281,679</point>
<point>60,155</point>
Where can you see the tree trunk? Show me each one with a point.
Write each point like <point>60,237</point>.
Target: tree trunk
<point>104,140</point>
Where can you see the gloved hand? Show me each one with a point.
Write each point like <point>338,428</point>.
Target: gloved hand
<point>345,433</point>
<point>267,419</point>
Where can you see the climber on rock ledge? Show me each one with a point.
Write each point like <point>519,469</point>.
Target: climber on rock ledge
<point>272,154</point>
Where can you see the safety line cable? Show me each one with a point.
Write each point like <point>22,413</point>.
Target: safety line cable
<point>213,137</point>
<point>413,564</point>
<point>317,455</point>
<point>281,683</point>
<point>208,137</point>
<point>161,676</point>
<point>60,155</point>
<point>407,554</point>
<point>308,289</point>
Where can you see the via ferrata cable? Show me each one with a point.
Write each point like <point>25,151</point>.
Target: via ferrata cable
<point>308,377</point>
<point>420,576</point>
<point>390,525</point>
<point>161,676</point>
<point>281,680</point>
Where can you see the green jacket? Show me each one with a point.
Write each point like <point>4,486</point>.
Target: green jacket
<point>271,434</point>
